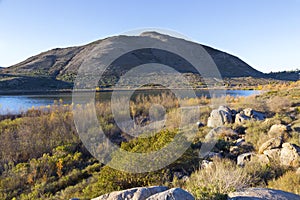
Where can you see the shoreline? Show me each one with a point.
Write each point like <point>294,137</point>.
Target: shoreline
<point>69,91</point>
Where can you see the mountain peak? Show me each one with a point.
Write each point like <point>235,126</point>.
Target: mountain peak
<point>156,35</point>
<point>152,33</point>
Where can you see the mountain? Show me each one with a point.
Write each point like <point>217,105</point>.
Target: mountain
<point>293,75</point>
<point>57,68</point>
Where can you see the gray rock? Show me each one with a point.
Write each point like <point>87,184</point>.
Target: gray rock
<point>219,117</point>
<point>262,194</point>
<point>272,143</point>
<point>140,193</point>
<point>249,112</point>
<point>243,158</point>
<point>278,128</point>
<point>262,158</point>
<point>241,118</point>
<point>273,154</point>
<point>172,194</point>
<point>290,155</point>
<point>206,164</point>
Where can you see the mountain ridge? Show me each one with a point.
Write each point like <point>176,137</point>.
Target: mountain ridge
<point>59,66</point>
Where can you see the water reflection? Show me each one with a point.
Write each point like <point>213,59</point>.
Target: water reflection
<point>17,103</point>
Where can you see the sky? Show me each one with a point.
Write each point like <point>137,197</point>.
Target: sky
<point>263,33</point>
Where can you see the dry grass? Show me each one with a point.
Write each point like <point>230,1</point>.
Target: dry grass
<point>289,182</point>
<point>215,182</point>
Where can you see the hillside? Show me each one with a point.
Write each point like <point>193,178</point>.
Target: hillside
<point>57,68</point>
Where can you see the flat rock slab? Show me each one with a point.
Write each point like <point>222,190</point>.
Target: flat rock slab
<point>262,194</point>
<point>172,194</point>
<point>140,193</point>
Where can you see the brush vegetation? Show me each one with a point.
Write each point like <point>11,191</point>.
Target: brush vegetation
<point>42,157</point>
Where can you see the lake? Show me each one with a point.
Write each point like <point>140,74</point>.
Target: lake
<point>14,104</point>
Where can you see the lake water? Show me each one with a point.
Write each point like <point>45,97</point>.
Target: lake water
<point>17,103</point>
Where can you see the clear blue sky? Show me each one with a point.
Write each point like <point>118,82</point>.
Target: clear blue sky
<point>264,33</point>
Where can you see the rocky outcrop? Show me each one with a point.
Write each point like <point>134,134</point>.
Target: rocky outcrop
<point>240,118</point>
<point>140,193</point>
<point>220,116</point>
<point>253,114</point>
<point>263,194</point>
<point>286,154</point>
<point>224,115</point>
<point>148,193</point>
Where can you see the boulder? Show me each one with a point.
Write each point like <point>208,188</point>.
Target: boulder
<point>273,154</point>
<point>206,164</point>
<point>249,112</point>
<point>240,118</point>
<point>263,194</point>
<point>272,143</point>
<point>277,130</point>
<point>140,193</point>
<point>174,194</point>
<point>219,117</point>
<point>290,155</point>
<point>243,158</point>
<point>262,159</point>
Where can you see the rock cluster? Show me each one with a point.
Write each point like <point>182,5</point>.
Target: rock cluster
<point>224,115</point>
<point>275,150</point>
